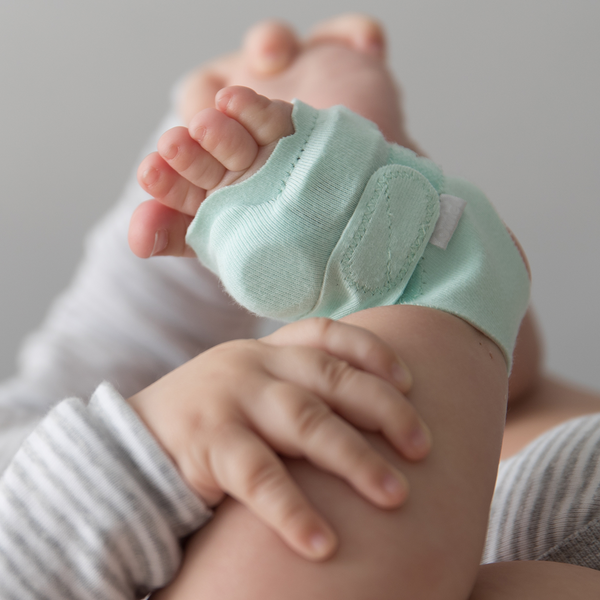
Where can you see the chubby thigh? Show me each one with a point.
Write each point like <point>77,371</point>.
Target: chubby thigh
<point>429,548</point>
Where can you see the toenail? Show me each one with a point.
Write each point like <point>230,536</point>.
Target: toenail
<point>374,47</point>
<point>199,133</point>
<point>170,152</point>
<point>150,176</point>
<point>161,239</point>
<point>223,99</point>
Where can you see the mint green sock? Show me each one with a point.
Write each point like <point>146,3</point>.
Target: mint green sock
<point>338,220</point>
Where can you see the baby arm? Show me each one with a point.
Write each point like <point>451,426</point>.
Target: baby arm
<point>90,507</point>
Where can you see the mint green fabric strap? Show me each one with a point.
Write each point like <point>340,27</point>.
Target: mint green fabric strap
<point>480,277</point>
<point>336,221</point>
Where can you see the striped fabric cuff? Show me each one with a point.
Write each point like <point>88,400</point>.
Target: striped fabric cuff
<point>91,507</point>
<point>547,500</point>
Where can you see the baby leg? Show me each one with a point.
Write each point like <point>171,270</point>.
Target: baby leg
<point>527,580</point>
<point>430,548</point>
<point>338,220</point>
<point>342,62</point>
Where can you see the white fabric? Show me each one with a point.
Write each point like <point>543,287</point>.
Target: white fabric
<point>451,210</point>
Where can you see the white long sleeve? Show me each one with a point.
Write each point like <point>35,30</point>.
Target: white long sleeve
<point>91,508</point>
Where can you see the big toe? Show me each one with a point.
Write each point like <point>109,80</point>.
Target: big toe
<point>361,32</point>
<point>270,47</point>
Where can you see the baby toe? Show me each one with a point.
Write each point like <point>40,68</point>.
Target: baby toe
<point>168,187</point>
<point>189,159</point>
<point>266,120</point>
<point>270,47</point>
<point>224,138</point>
<point>359,31</point>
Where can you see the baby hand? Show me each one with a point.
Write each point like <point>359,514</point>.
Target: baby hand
<point>224,416</point>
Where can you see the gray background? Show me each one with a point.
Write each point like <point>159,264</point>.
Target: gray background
<point>504,93</point>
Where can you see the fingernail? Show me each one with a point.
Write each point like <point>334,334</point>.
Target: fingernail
<point>321,544</point>
<point>401,375</point>
<point>420,438</point>
<point>395,486</point>
<point>161,239</point>
<point>150,176</point>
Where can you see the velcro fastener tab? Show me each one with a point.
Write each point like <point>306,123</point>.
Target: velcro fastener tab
<point>382,244</point>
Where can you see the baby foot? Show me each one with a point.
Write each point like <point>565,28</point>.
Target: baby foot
<point>342,62</point>
<point>269,50</point>
<point>222,146</point>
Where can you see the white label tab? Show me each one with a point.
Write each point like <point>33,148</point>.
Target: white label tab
<point>451,210</point>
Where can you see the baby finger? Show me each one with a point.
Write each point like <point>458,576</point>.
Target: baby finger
<point>248,470</point>
<point>365,400</point>
<point>301,424</point>
<point>357,346</point>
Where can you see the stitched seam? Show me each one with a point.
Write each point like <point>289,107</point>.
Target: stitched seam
<point>241,211</point>
<point>356,239</point>
<point>388,266</point>
<point>295,162</point>
<point>383,182</point>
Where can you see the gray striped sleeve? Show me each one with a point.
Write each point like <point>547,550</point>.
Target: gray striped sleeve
<point>91,508</point>
<point>547,500</point>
